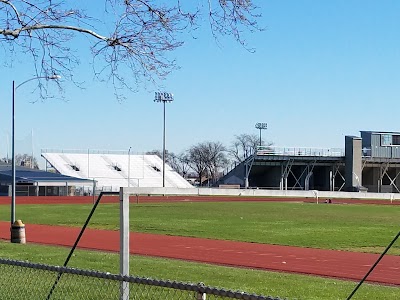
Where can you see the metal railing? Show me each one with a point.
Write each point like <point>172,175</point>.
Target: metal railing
<point>24,280</point>
<point>90,151</point>
<point>299,151</point>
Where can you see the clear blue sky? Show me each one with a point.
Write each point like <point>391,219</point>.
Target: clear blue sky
<point>322,70</point>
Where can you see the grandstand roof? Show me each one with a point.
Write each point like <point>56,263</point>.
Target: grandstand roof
<point>112,170</point>
<point>40,177</point>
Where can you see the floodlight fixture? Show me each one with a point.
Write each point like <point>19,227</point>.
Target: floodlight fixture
<point>163,97</point>
<point>261,126</point>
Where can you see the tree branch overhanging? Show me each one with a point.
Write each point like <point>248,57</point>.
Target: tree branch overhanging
<point>143,35</point>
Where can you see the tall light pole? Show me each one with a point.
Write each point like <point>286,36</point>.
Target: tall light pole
<point>14,88</point>
<point>163,97</point>
<point>261,126</point>
<point>129,166</point>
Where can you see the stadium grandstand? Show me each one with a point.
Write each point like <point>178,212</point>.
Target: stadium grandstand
<point>370,162</point>
<point>111,170</point>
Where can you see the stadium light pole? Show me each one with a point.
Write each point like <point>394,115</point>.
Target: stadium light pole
<point>261,126</point>
<point>14,89</point>
<point>164,98</point>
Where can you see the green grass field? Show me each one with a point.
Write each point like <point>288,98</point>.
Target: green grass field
<point>253,281</point>
<point>367,228</point>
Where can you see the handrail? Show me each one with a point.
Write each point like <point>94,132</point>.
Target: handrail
<point>299,151</point>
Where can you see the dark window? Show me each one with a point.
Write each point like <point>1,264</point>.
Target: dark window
<point>75,168</point>
<point>396,140</point>
<point>157,169</point>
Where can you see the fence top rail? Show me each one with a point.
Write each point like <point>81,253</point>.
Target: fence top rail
<point>200,288</point>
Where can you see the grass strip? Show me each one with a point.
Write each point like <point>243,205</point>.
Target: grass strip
<point>252,281</point>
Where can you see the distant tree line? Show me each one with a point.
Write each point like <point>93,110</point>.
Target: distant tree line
<point>25,160</point>
<point>207,160</point>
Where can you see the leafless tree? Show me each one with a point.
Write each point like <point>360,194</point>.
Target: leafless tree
<point>197,160</point>
<point>243,146</point>
<point>158,153</point>
<point>180,163</point>
<point>130,40</point>
<point>207,159</point>
<point>216,153</point>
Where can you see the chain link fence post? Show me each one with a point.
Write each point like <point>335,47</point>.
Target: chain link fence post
<point>200,295</point>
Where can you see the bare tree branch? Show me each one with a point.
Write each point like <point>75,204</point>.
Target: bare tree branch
<point>16,32</point>
<point>131,38</point>
<point>14,9</point>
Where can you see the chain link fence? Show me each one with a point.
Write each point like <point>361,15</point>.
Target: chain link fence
<point>23,280</point>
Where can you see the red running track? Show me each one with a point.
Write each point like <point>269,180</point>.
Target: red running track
<point>330,263</point>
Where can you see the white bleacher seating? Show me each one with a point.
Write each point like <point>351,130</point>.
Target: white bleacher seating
<point>111,170</point>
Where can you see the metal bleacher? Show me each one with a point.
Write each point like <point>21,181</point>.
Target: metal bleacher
<point>112,170</point>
